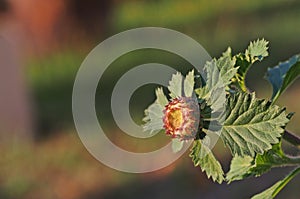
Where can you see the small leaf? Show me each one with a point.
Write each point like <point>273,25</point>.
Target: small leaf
<point>202,156</point>
<point>251,125</point>
<point>282,75</point>
<point>239,168</point>
<point>153,118</point>
<point>154,114</point>
<point>256,50</point>
<point>177,145</point>
<point>189,83</point>
<point>276,188</point>
<point>175,86</point>
<point>160,97</point>
<point>242,167</point>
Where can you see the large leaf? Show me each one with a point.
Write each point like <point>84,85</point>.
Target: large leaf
<point>251,125</point>
<point>282,75</point>
<point>276,188</point>
<point>203,157</point>
<point>242,167</point>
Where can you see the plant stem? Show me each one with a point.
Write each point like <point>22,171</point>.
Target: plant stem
<point>291,138</point>
<point>285,181</point>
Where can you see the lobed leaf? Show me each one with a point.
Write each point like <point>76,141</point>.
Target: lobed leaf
<point>251,125</point>
<point>153,118</point>
<point>154,113</point>
<point>242,167</point>
<point>202,156</point>
<point>219,74</point>
<point>256,50</point>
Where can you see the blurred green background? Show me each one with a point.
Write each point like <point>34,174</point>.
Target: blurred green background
<point>45,159</point>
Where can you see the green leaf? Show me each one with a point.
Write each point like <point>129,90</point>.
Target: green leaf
<point>282,75</point>
<point>202,156</point>
<point>154,114</point>
<point>177,145</point>
<point>239,168</point>
<point>251,125</point>
<point>153,118</point>
<point>272,158</point>
<point>161,99</point>
<point>256,50</point>
<point>189,83</point>
<point>276,188</point>
<point>242,167</point>
<point>219,74</point>
<point>175,86</point>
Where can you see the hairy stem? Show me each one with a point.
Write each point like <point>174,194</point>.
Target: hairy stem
<point>291,138</point>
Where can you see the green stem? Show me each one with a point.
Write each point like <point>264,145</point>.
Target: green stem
<point>285,181</point>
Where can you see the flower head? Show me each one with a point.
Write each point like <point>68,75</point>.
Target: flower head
<point>181,118</point>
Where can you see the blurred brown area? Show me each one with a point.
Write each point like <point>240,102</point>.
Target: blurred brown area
<point>43,43</point>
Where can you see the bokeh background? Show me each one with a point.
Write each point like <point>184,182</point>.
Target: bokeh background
<point>42,44</point>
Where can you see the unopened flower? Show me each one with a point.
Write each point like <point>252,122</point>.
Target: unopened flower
<point>179,117</point>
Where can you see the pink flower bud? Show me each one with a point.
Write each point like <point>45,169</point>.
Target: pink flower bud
<point>181,118</point>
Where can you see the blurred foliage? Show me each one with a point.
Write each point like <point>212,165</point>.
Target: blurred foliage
<point>219,24</point>
<point>214,24</point>
<point>51,80</point>
<point>61,167</point>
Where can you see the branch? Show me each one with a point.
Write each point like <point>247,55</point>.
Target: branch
<point>291,138</point>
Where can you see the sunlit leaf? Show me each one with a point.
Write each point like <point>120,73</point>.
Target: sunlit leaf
<point>175,85</point>
<point>256,51</point>
<point>189,83</point>
<point>242,167</point>
<point>251,125</point>
<point>202,156</point>
<point>177,145</point>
